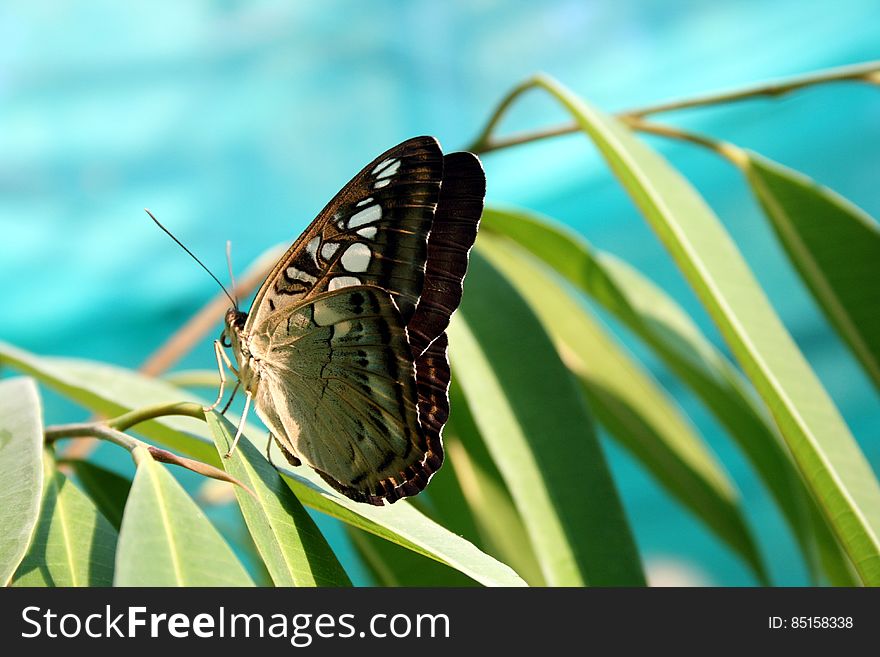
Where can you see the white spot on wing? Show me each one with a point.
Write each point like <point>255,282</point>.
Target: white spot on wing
<point>385,164</point>
<point>390,171</point>
<point>329,249</point>
<point>343,281</point>
<point>312,248</point>
<point>368,231</point>
<point>381,183</point>
<point>299,275</point>
<point>366,201</point>
<point>356,257</point>
<point>365,216</point>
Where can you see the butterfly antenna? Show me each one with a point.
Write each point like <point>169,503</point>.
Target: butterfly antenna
<point>191,255</point>
<point>231,275</point>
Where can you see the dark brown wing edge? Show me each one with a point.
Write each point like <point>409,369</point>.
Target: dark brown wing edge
<point>453,233</point>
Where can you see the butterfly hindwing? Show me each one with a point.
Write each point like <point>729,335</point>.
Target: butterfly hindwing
<point>339,391</point>
<point>373,232</point>
<point>453,232</point>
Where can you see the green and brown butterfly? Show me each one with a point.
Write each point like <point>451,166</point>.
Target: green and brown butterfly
<point>343,353</point>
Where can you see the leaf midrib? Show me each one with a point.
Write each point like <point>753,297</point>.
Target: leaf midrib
<point>166,522</point>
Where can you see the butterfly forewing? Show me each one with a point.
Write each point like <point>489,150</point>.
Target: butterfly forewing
<point>344,348</point>
<point>374,232</point>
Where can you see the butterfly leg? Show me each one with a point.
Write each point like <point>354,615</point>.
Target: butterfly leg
<point>221,359</point>
<point>231,397</point>
<point>269,450</point>
<point>244,414</point>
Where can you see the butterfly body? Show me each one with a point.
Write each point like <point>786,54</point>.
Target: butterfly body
<point>344,349</point>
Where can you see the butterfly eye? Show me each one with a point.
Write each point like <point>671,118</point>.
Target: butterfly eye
<point>224,341</point>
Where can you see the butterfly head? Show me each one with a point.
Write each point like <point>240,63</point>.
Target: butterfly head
<point>233,325</point>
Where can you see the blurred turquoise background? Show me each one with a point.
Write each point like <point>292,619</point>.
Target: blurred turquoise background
<point>234,120</point>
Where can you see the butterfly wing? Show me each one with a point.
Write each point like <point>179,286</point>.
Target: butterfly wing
<point>373,232</point>
<point>405,224</point>
<point>453,232</point>
<point>337,382</point>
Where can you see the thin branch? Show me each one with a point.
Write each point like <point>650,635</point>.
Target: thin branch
<point>128,420</point>
<point>90,430</point>
<point>101,430</point>
<point>868,72</point>
<point>725,149</point>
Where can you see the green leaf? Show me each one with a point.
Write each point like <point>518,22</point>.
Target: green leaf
<point>661,323</point>
<point>498,521</point>
<point>540,436</point>
<point>291,545</point>
<point>108,490</point>
<point>392,565</point>
<point>100,387</point>
<point>73,544</point>
<point>828,456</point>
<point>628,402</point>
<point>403,525</point>
<point>110,390</point>
<point>835,247</point>
<point>21,471</point>
<point>166,540</point>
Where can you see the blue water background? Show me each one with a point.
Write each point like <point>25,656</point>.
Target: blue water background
<point>237,121</point>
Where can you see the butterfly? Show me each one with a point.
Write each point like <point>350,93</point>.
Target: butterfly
<point>343,353</point>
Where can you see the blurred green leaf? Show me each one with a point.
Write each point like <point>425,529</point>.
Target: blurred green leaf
<point>628,402</point>
<point>293,548</point>
<point>498,521</point>
<point>110,390</point>
<point>828,456</point>
<point>535,422</point>
<point>73,544</point>
<point>21,470</point>
<point>166,540</point>
<point>661,323</point>
<point>108,490</point>
<point>835,247</point>
<point>113,390</point>
<point>391,565</point>
<point>193,379</point>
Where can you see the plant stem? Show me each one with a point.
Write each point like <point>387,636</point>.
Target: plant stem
<point>725,149</point>
<point>110,431</point>
<point>91,430</point>
<point>127,420</point>
<point>868,72</point>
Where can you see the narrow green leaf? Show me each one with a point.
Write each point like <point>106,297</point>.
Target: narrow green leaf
<point>403,525</point>
<point>21,470</point>
<point>73,544</point>
<point>835,247</point>
<point>392,565</point>
<point>166,540</point>
<point>826,453</point>
<point>291,545</point>
<point>112,390</point>
<point>540,436</point>
<point>108,490</point>
<point>499,523</point>
<point>661,323</point>
<point>628,402</point>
